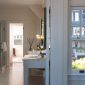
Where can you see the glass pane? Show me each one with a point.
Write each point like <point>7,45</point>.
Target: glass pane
<point>83,11</point>
<point>78,43</point>
<point>83,16</point>
<point>78,55</point>
<point>72,17</point>
<point>76,32</point>
<point>18,42</point>
<point>75,15</point>
<point>83,32</point>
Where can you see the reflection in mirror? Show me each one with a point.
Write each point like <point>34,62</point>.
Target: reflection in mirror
<point>41,38</point>
<point>43,29</point>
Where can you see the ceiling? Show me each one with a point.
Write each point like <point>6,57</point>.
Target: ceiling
<point>22,2</point>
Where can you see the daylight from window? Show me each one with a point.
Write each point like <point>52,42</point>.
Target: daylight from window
<point>78,39</point>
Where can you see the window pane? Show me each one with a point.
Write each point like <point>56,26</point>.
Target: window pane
<point>78,55</point>
<point>75,15</point>
<point>72,17</point>
<point>83,11</point>
<point>76,32</point>
<point>83,17</point>
<point>78,42</point>
<point>83,14</point>
<point>18,42</point>
<point>83,32</point>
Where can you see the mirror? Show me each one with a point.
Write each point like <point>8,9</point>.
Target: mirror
<point>42,36</point>
<point>37,28</point>
<point>43,29</point>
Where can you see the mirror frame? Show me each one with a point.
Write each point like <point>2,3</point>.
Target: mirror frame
<point>43,29</point>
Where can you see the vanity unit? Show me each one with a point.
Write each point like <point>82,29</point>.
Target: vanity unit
<point>33,61</point>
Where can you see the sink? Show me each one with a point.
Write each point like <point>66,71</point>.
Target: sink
<point>30,56</point>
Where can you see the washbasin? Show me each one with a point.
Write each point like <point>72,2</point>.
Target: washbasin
<point>30,56</point>
<point>33,56</point>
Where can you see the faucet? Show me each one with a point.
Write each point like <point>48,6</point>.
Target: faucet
<point>42,54</point>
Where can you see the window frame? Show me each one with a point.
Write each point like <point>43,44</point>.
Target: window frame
<point>74,71</point>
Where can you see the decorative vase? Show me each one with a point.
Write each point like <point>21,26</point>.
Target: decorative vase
<point>30,48</point>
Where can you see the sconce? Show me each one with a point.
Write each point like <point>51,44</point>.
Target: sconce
<point>40,38</point>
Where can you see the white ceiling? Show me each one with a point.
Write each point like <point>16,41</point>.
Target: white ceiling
<point>22,2</point>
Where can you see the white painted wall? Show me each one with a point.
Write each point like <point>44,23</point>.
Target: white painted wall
<point>76,79</point>
<point>23,15</point>
<point>38,10</point>
<point>77,2</point>
<point>59,42</point>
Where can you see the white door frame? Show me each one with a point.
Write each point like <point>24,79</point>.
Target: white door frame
<point>8,43</point>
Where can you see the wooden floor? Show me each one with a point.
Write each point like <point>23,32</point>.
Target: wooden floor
<point>14,76</point>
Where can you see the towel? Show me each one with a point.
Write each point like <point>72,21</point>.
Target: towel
<point>4,46</point>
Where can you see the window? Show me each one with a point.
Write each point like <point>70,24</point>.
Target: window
<point>78,38</point>
<point>75,15</point>
<point>18,40</point>
<point>83,31</point>
<point>76,32</point>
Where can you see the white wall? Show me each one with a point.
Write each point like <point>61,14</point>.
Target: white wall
<point>23,15</point>
<point>38,10</point>
<point>59,42</point>
<point>77,2</point>
<point>76,79</point>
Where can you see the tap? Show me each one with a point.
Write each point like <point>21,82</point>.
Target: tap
<point>42,54</point>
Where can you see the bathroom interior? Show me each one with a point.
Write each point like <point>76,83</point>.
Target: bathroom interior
<point>33,19</point>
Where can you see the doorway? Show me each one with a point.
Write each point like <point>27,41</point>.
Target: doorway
<point>16,42</point>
